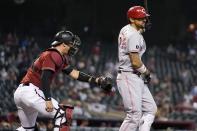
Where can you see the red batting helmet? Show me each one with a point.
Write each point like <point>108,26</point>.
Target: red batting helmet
<point>137,12</point>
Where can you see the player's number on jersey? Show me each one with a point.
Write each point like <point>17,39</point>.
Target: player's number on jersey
<point>122,41</point>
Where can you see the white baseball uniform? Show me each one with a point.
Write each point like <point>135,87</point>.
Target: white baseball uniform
<point>137,99</point>
<point>30,104</point>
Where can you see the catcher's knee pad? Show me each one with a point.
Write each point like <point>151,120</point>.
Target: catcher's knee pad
<point>64,111</point>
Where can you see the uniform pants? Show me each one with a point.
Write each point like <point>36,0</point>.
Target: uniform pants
<point>138,102</point>
<point>30,101</point>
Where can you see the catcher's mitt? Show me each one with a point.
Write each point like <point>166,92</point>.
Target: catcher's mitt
<point>105,83</point>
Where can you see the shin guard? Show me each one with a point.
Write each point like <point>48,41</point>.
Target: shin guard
<point>67,114</point>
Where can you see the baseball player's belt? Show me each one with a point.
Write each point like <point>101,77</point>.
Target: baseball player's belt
<point>25,84</point>
<point>134,72</point>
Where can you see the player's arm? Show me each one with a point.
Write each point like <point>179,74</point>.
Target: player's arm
<point>133,48</point>
<point>137,64</point>
<point>81,76</point>
<point>45,77</point>
<point>48,69</point>
<point>104,83</point>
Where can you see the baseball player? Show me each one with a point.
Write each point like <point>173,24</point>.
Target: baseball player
<point>133,76</point>
<point>33,94</point>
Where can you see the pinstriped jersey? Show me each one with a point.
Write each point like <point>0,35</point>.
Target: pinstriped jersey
<point>129,40</point>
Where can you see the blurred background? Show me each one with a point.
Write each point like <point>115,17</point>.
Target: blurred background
<point>27,27</point>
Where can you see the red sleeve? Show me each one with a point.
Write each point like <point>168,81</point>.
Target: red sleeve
<point>51,61</point>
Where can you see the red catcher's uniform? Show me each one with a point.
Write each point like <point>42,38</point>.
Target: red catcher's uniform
<point>32,101</point>
<point>50,59</point>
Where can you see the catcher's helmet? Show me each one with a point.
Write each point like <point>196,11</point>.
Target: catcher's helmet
<point>137,12</point>
<point>67,37</point>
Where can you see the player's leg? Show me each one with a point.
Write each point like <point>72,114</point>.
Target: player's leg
<point>28,120</point>
<point>32,102</point>
<point>41,109</point>
<point>26,114</point>
<point>60,114</point>
<point>129,86</point>
<point>149,109</point>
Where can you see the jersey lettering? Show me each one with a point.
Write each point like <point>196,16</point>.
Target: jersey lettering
<point>122,41</point>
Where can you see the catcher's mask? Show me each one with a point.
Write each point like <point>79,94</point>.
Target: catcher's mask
<point>67,37</point>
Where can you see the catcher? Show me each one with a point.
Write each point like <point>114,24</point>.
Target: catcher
<point>33,94</point>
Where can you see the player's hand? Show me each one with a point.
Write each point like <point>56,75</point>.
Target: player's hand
<point>147,77</point>
<point>49,106</point>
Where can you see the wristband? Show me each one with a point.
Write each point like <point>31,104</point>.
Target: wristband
<point>68,69</point>
<point>84,77</point>
<point>142,69</point>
